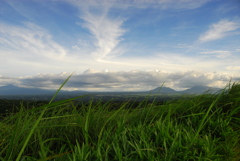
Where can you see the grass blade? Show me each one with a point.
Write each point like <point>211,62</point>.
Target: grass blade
<point>38,120</point>
<point>56,93</point>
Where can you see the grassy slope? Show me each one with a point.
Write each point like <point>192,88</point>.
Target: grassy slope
<point>205,127</point>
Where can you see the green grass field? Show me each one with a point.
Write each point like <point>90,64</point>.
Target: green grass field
<point>205,127</point>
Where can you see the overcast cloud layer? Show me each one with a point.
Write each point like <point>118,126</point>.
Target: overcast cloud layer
<point>119,45</point>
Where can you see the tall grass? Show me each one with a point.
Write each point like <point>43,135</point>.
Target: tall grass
<point>205,127</point>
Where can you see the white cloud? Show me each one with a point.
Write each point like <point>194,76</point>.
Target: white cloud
<point>30,40</point>
<point>219,30</point>
<point>32,50</point>
<point>162,4</point>
<point>217,53</point>
<point>107,30</point>
<point>29,48</point>
<point>233,68</point>
<point>107,33</point>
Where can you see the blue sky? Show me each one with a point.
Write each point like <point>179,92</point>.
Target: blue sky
<point>119,45</point>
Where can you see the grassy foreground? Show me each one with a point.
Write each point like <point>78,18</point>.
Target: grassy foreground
<point>205,127</point>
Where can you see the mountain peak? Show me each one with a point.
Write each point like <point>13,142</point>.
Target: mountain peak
<point>163,90</point>
<point>201,89</point>
<point>11,89</point>
<point>9,86</point>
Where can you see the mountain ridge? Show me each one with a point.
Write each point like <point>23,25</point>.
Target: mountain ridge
<point>15,90</point>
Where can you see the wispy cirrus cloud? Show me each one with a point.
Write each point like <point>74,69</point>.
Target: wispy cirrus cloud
<point>105,29</point>
<point>234,67</point>
<point>30,47</point>
<point>162,4</point>
<point>30,40</point>
<point>166,4</point>
<point>217,53</point>
<point>219,30</point>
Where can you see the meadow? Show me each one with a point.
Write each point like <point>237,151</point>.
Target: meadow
<point>203,127</point>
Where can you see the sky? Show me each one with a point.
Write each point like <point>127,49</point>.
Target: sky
<point>119,45</point>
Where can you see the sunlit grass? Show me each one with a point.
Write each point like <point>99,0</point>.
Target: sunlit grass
<point>205,127</point>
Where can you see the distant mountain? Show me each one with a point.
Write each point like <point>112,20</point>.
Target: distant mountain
<point>14,90</point>
<point>193,90</point>
<point>200,90</point>
<point>163,90</point>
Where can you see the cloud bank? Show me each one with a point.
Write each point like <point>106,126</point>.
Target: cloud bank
<point>92,80</point>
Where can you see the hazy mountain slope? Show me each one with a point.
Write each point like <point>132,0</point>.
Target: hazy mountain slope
<point>14,90</point>
<point>200,90</point>
<point>163,90</point>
